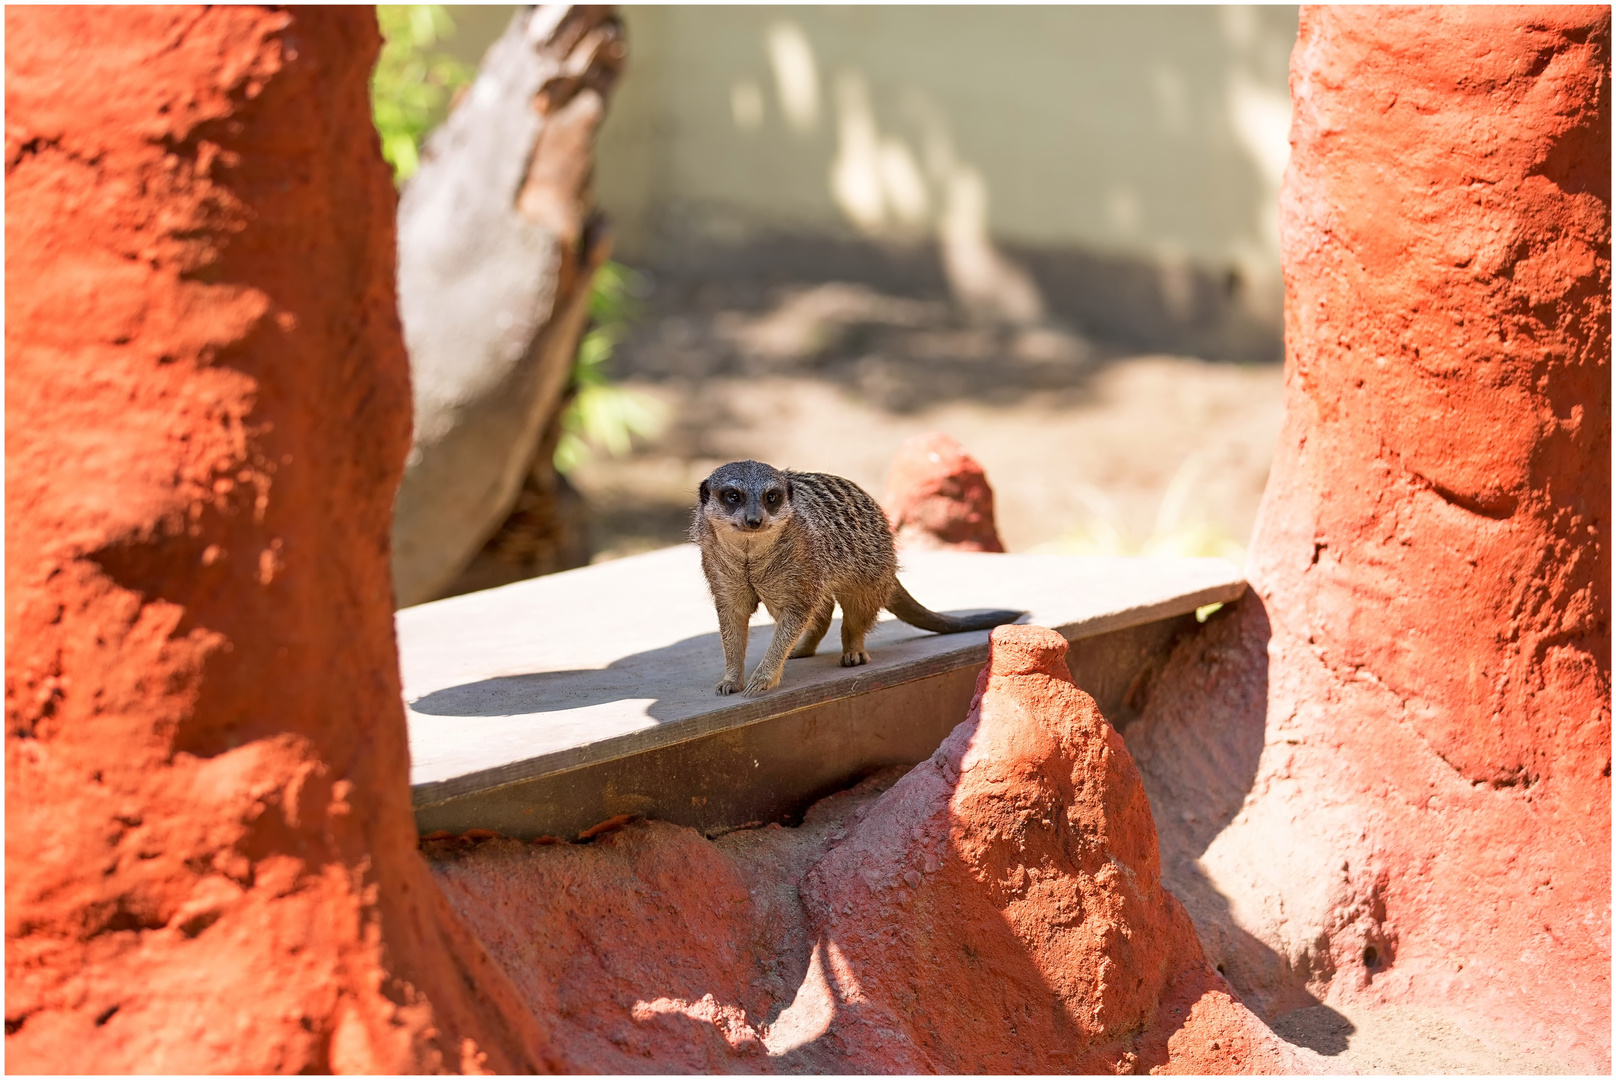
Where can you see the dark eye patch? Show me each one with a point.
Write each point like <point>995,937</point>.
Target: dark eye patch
<point>732,497</point>
<point>772,498</point>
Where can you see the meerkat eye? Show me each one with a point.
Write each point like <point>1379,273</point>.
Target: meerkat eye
<point>773,499</point>
<point>732,497</point>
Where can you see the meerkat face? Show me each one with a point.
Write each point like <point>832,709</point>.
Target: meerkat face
<point>746,496</point>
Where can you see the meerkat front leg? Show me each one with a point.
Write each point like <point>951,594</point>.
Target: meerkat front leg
<point>734,613</point>
<point>766,676</point>
<point>817,628</point>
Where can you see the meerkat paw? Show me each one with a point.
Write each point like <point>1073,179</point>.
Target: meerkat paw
<point>761,684</point>
<point>804,650</point>
<point>729,686</point>
<point>857,658</point>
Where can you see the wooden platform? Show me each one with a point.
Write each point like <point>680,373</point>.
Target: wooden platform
<point>549,705</point>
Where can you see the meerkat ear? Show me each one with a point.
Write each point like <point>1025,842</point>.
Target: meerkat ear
<point>703,493</point>
<point>788,489</point>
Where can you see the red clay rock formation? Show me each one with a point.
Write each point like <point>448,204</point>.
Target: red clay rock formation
<point>210,860</point>
<point>999,909</point>
<point>1424,815</point>
<point>654,948</point>
<point>938,497</point>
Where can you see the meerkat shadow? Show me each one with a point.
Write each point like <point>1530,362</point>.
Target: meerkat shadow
<point>676,678</point>
<point>653,673</point>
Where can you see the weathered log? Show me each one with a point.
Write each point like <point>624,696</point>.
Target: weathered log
<point>497,244</point>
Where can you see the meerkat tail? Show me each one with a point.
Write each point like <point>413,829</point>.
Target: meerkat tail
<point>914,613</point>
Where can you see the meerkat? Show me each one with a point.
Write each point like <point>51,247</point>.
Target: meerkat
<point>801,543</point>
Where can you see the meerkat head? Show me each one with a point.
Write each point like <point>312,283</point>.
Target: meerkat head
<point>747,496</point>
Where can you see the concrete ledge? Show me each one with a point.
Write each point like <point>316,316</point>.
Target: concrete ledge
<point>584,669</point>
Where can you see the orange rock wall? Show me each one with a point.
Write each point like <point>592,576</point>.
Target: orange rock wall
<point>1440,505</point>
<point>210,859</point>
<point>1434,547</point>
<point>1423,814</point>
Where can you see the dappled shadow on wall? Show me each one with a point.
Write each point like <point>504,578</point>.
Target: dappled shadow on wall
<point>921,210</point>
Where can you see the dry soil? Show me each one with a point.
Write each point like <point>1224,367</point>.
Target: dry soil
<point>1082,443</point>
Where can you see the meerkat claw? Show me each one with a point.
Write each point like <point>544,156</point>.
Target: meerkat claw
<point>760,686</point>
<point>855,659</point>
<point>728,686</point>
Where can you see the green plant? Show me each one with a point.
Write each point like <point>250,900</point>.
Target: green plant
<point>412,85</point>
<point>603,416</point>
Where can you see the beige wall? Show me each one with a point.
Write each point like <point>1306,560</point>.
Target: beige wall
<point>1152,132</point>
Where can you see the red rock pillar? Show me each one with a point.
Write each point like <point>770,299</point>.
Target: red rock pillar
<point>1433,548</point>
<point>210,860</point>
<point>937,497</point>
<point>1000,909</point>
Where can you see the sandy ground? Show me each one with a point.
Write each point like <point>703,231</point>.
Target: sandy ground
<point>1085,447</point>
<point>1406,1040</point>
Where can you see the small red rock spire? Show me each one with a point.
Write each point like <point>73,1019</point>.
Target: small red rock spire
<point>938,497</point>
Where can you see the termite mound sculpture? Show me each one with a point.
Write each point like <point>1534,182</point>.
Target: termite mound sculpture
<point>210,857</point>
<point>1386,778</point>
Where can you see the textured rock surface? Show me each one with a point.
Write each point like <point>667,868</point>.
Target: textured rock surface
<point>654,948</point>
<point>1001,908</point>
<point>1386,777</point>
<point>210,860</point>
<point>937,496</point>
<point>998,909</point>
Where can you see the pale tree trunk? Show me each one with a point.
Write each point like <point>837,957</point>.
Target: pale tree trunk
<point>498,241</point>
<point>546,530</point>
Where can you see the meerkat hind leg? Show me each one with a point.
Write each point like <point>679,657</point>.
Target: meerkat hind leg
<point>818,626</point>
<point>858,616</point>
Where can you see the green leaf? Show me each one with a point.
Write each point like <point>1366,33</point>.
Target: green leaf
<point>412,85</point>
<point>604,417</point>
